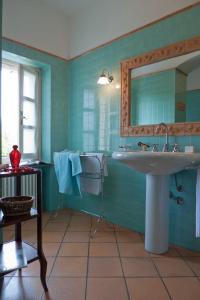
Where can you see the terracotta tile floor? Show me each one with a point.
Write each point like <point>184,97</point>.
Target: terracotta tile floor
<point>112,265</point>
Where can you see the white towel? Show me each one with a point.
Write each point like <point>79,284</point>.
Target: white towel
<point>93,168</point>
<point>198,204</point>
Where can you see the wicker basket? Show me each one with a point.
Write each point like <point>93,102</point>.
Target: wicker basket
<point>16,206</point>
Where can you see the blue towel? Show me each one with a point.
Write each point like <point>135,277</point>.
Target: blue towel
<point>68,168</point>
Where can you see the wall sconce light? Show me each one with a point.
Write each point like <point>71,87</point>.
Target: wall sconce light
<point>105,79</point>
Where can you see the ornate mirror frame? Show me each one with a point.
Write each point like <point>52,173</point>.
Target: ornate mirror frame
<point>173,50</point>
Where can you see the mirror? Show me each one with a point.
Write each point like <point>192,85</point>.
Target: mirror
<point>166,91</point>
<point>162,86</point>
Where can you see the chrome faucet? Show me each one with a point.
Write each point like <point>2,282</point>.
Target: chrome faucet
<point>166,144</point>
<point>143,146</point>
<point>176,148</point>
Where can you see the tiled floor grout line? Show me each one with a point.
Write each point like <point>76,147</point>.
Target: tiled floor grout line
<point>87,270</point>
<point>159,275</point>
<point>55,257</point>
<point>127,291</point>
<point>185,261</point>
<point>170,297</point>
<point>74,276</point>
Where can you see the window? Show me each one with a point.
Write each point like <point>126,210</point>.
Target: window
<point>88,120</point>
<point>20,113</point>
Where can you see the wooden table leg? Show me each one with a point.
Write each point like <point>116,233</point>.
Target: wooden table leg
<point>42,259</point>
<point>43,270</point>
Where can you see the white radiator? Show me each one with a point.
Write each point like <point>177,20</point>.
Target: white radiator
<point>28,186</point>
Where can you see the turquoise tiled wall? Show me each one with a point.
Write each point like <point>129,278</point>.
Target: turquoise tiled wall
<point>80,115</point>
<point>193,105</point>
<point>97,128</point>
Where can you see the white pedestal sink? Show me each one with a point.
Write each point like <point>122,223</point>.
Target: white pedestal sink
<point>157,166</point>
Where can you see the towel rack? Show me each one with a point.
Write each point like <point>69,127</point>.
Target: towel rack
<point>99,175</point>
<point>96,176</point>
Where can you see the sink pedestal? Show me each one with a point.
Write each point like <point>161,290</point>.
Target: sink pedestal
<point>157,213</point>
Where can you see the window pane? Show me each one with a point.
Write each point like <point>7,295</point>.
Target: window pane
<point>28,113</point>
<point>29,84</point>
<point>88,99</point>
<point>10,107</point>
<point>29,141</point>
<point>15,129</point>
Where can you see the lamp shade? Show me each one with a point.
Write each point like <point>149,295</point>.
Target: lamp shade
<point>103,79</point>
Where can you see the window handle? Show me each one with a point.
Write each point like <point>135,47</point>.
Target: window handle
<point>22,117</point>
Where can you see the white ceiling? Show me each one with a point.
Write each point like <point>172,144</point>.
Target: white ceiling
<point>72,7</point>
<point>68,28</point>
<point>69,7</point>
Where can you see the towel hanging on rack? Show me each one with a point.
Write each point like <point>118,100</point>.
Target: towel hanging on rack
<point>68,168</point>
<point>94,168</point>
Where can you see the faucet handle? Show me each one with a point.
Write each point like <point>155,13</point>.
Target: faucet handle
<point>125,147</point>
<point>155,148</point>
<point>176,148</point>
<point>143,146</point>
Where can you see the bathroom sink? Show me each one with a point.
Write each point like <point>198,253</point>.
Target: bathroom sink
<point>157,163</point>
<point>157,166</point>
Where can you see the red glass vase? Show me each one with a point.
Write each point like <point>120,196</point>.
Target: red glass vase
<point>15,157</point>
